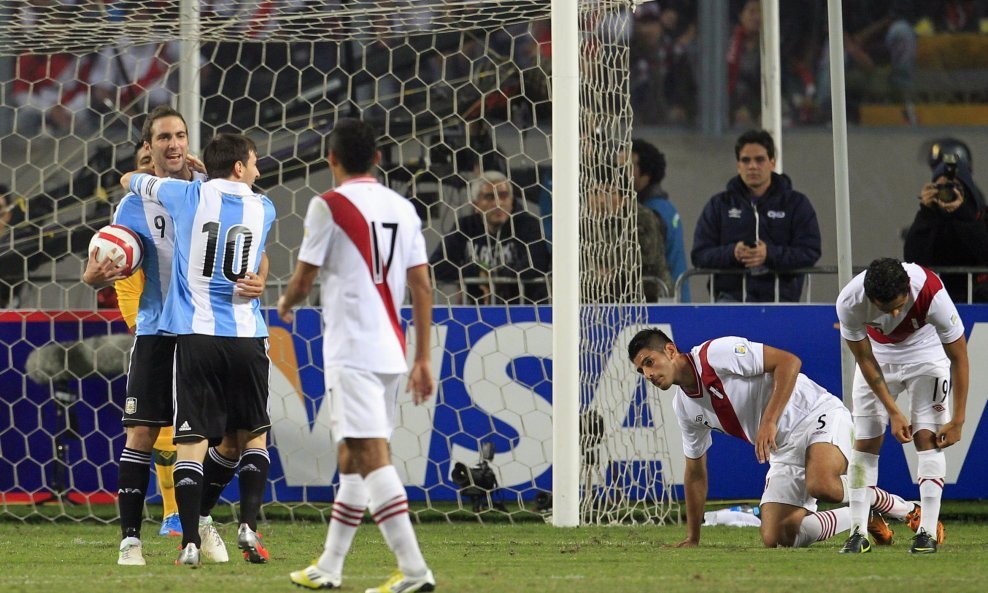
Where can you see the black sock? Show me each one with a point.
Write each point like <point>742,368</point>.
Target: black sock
<point>254,465</point>
<point>188,494</point>
<point>132,486</point>
<point>217,472</point>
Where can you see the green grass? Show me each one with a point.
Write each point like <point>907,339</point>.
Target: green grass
<point>468,557</point>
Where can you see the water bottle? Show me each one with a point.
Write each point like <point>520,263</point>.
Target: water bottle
<point>746,508</point>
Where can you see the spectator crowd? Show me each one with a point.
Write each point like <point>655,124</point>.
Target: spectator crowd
<point>880,46</point>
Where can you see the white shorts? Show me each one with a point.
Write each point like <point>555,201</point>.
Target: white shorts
<point>785,482</point>
<point>363,403</point>
<point>928,387</point>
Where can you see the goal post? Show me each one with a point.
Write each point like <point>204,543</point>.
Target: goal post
<point>566,265</point>
<point>537,412</point>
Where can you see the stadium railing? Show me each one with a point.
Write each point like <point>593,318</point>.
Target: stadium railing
<point>807,297</point>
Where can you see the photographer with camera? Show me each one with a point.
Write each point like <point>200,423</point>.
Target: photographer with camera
<point>950,227</point>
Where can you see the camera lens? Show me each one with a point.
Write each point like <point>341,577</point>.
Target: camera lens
<point>945,192</point>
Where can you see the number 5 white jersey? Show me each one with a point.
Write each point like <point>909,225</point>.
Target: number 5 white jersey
<point>732,392</point>
<point>364,238</point>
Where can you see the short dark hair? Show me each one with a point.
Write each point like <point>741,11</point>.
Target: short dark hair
<point>755,137</point>
<point>651,161</point>
<point>224,151</point>
<point>355,145</point>
<point>138,146</point>
<point>157,113</point>
<point>885,280</point>
<point>651,338</point>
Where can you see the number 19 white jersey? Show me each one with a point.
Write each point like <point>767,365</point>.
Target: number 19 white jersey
<point>364,238</point>
<point>916,334</point>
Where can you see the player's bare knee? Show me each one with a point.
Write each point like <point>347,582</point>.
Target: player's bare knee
<point>247,440</point>
<point>141,438</point>
<point>229,447</point>
<point>368,454</point>
<point>826,488</point>
<point>772,538</point>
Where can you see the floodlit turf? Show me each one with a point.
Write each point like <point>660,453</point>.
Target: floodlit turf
<point>467,557</point>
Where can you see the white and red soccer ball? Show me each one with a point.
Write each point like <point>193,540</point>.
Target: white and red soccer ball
<point>114,240</point>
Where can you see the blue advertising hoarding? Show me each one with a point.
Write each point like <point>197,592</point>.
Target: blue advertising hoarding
<point>493,367</point>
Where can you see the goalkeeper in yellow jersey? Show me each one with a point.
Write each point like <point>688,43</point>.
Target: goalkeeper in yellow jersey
<point>148,413</point>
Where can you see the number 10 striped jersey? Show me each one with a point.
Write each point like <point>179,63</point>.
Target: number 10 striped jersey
<point>220,230</point>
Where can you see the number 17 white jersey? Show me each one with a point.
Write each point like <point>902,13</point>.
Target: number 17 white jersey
<point>364,237</point>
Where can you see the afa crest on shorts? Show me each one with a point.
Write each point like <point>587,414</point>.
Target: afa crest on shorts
<point>740,349</point>
<point>130,405</point>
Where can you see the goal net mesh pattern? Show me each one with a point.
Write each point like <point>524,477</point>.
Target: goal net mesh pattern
<point>458,91</point>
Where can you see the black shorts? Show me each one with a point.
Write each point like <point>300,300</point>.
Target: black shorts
<point>149,382</point>
<point>221,385</point>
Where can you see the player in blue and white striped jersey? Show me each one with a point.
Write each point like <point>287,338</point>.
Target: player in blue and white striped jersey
<point>207,268</point>
<point>221,357</point>
<point>148,411</point>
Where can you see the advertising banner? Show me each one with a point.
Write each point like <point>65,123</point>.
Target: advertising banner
<point>493,368</point>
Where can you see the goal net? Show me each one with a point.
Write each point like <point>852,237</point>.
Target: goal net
<point>459,92</point>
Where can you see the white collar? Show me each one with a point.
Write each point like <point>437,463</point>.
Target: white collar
<point>232,187</point>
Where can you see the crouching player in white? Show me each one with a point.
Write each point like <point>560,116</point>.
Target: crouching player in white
<point>364,242</point>
<point>906,336</point>
<point>756,393</point>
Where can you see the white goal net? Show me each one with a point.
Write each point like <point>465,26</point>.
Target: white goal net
<point>459,92</point>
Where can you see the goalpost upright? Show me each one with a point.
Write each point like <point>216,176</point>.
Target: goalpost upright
<point>565,266</point>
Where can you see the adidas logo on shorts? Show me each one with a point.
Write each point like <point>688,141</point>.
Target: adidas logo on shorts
<point>185,426</point>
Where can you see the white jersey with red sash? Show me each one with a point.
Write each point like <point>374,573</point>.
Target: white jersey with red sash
<point>733,390</point>
<point>364,238</point>
<point>928,320</point>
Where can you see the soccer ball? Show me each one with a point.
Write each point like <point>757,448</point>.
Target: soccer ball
<point>114,240</point>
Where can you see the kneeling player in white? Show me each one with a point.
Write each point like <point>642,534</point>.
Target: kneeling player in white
<point>756,393</point>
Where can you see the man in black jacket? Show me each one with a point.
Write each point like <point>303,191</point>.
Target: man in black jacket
<point>497,254</point>
<point>760,223</point>
<point>950,230</point>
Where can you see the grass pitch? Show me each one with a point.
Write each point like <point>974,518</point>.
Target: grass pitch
<point>468,558</point>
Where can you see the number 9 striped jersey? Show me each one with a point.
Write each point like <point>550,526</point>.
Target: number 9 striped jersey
<point>142,296</point>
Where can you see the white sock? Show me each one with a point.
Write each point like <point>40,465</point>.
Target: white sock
<point>863,473</point>
<point>890,504</point>
<point>846,482</point>
<point>931,470</point>
<point>389,507</point>
<point>348,511</point>
<point>817,527</point>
